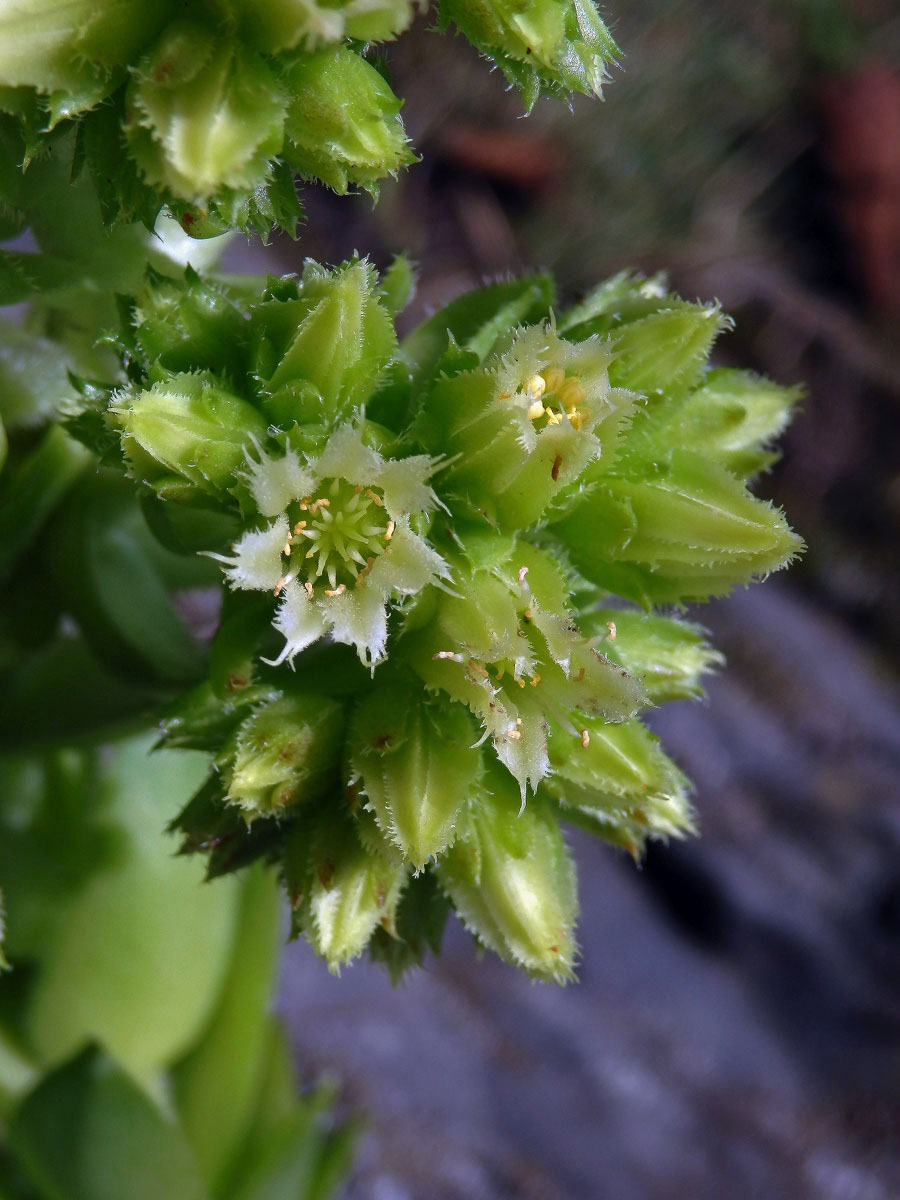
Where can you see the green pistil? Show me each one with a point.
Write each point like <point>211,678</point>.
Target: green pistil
<point>339,534</point>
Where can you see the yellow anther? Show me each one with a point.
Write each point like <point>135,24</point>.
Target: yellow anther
<point>287,549</point>
<point>300,525</point>
<point>611,626</point>
<point>279,586</point>
<point>571,394</point>
<point>576,418</point>
<point>309,589</point>
<point>536,410</point>
<point>375,499</point>
<point>553,418</point>
<point>535,679</point>
<point>514,733</point>
<point>554,377</point>
<point>389,532</point>
<point>338,591</point>
<point>523,571</point>
<point>536,386</point>
<point>585,739</point>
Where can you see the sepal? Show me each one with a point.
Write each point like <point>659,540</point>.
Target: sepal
<point>341,893</point>
<point>342,123</point>
<point>416,764</point>
<point>668,655</point>
<point>512,881</point>
<point>620,777</point>
<point>689,531</point>
<point>188,426</point>
<point>285,753</point>
<point>560,46</point>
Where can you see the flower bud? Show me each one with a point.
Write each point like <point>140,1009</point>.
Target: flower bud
<point>204,113</point>
<point>341,893</point>
<point>619,776</point>
<point>187,324</point>
<point>276,25</point>
<point>340,338</point>
<point>731,419</point>
<point>343,121</point>
<point>284,753</point>
<point>559,45</point>
<point>667,349</point>
<point>416,764</point>
<point>189,427</point>
<point>71,49</point>
<point>689,532</point>
<point>512,881</point>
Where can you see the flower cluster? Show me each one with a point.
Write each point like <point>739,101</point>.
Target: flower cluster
<point>458,543</point>
<point>220,105</point>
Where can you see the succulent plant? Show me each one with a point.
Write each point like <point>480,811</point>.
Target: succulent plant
<point>445,562</point>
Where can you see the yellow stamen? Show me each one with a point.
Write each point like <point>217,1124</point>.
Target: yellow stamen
<point>536,410</point>
<point>554,377</point>
<point>389,532</point>
<point>571,394</point>
<point>611,626</point>
<point>585,739</point>
<point>536,386</point>
<point>338,591</point>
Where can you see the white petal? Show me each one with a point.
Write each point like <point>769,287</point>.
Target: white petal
<point>358,617</point>
<point>275,482</point>
<point>255,561</point>
<point>299,619</point>
<point>403,481</point>
<point>525,756</point>
<point>345,456</point>
<point>407,565</point>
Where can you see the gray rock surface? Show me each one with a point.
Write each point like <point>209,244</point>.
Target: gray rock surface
<point>736,1028</point>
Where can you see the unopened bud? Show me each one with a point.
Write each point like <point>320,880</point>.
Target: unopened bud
<point>512,882</point>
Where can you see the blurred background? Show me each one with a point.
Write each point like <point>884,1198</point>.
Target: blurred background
<point>736,1028</point>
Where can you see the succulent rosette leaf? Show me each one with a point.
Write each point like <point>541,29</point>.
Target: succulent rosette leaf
<point>458,542</point>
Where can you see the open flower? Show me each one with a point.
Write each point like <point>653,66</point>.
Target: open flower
<point>522,428</point>
<point>339,545</point>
